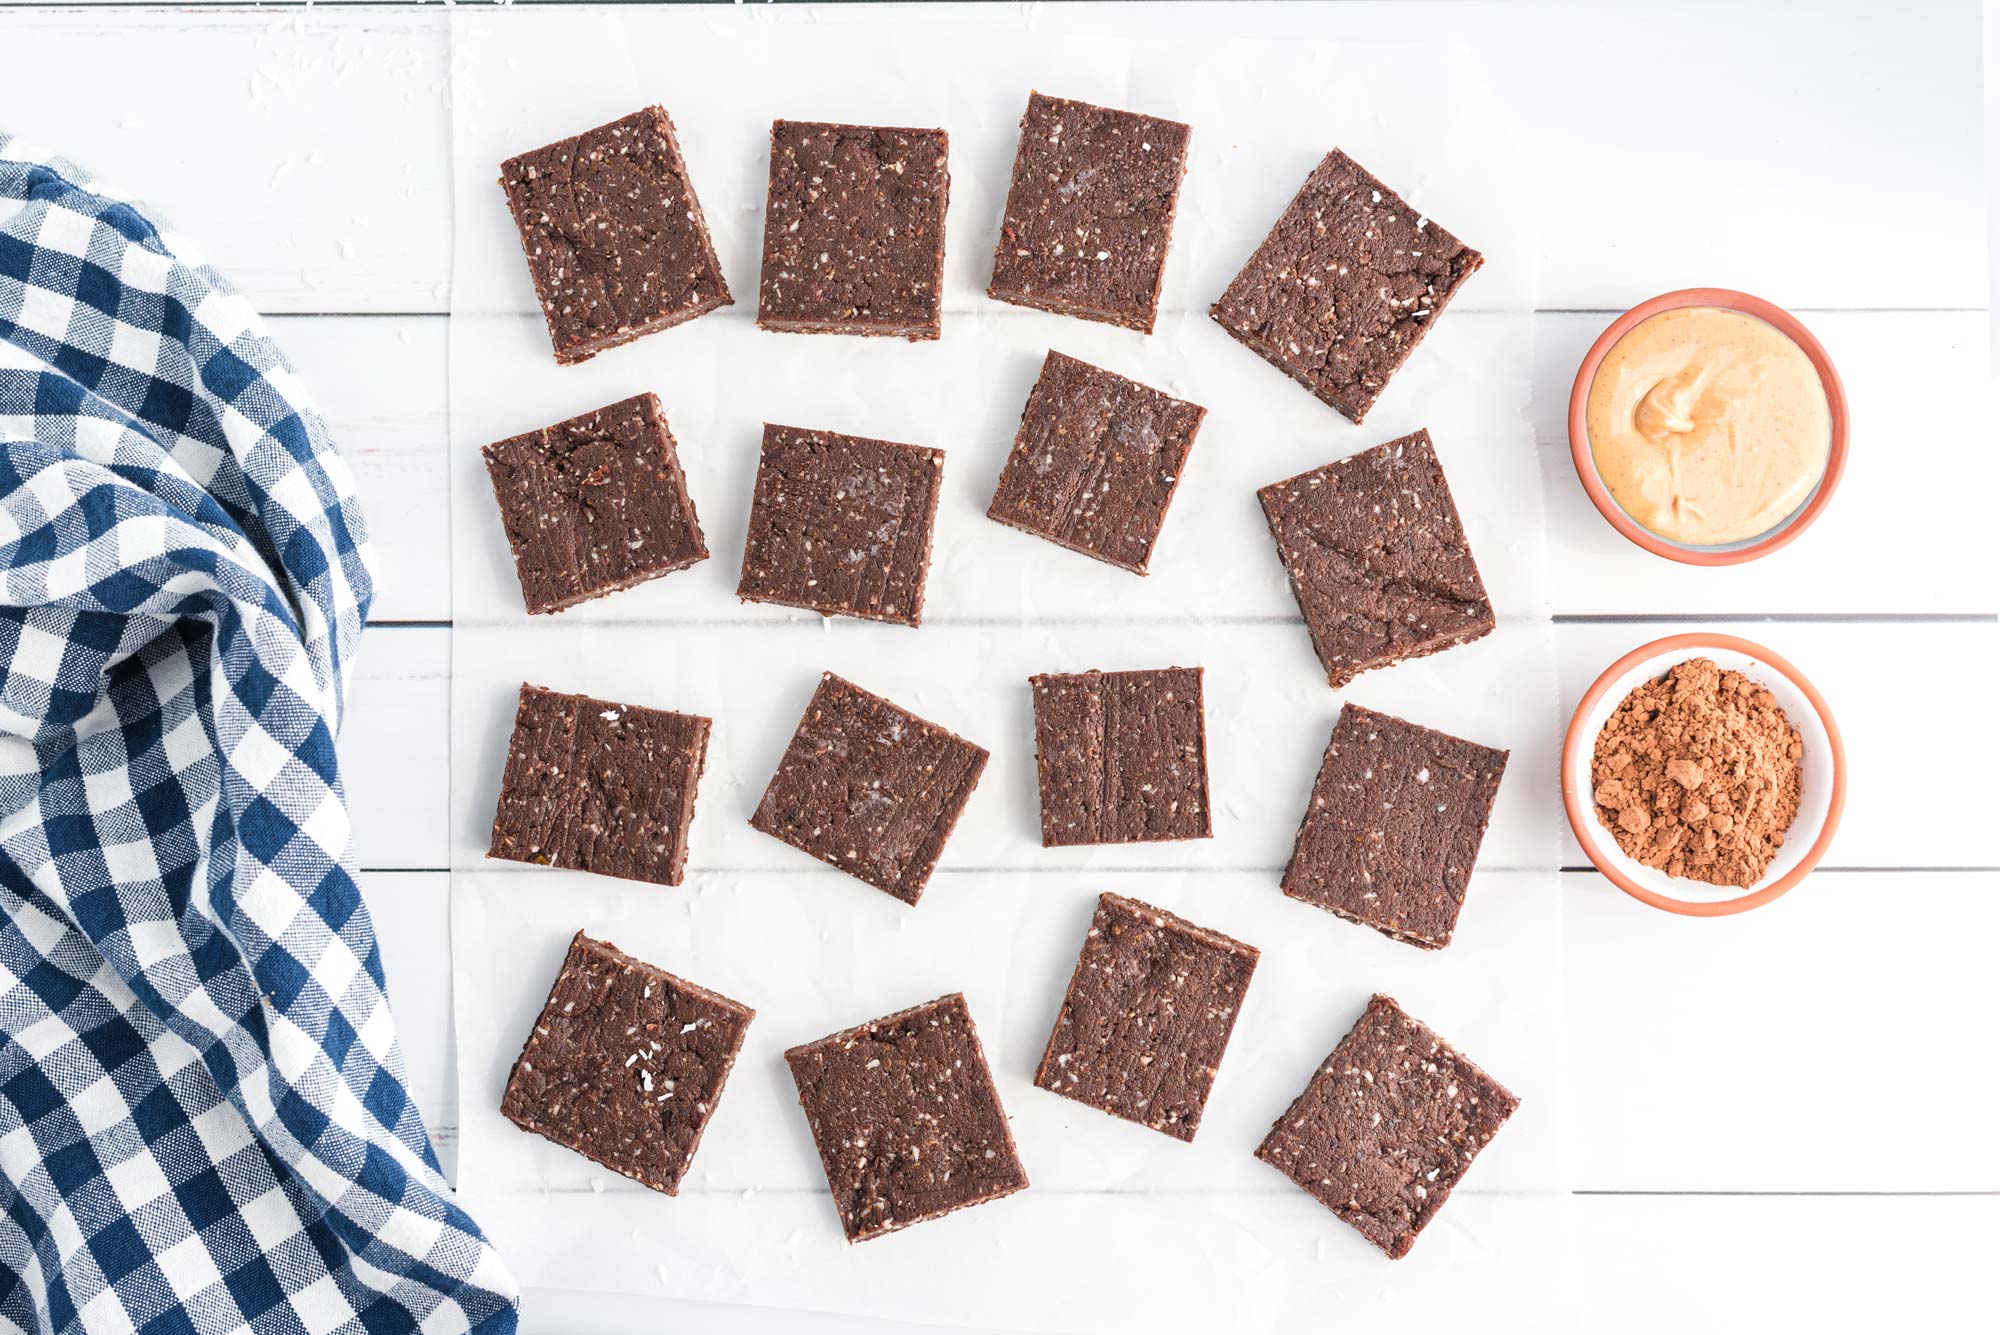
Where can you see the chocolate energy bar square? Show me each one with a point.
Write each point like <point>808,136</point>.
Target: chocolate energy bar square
<point>1096,462</point>
<point>1345,286</point>
<point>613,235</point>
<point>1090,212</point>
<point>1149,1011</point>
<point>1388,1126</point>
<point>1377,558</point>
<point>908,1124</point>
<point>841,525</point>
<point>601,787</point>
<point>1394,826</point>
<point>594,504</point>
<point>854,231</point>
<point>870,788</point>
<point>625,1064</point>
<point>1122,757</point>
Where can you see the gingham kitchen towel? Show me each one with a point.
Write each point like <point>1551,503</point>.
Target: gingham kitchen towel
<point>203,1120</point>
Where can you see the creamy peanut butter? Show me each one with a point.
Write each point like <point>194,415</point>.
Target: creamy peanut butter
<point>1707,425</point>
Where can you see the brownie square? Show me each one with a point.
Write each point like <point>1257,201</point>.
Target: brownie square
<point>1096,462</point>
<point>1387,1126</point>
<point>854,230</point>
<point>1147,1016</point>
<point>601,787</point>
<point>625,1064</point>
<point>1090,212</point>
<point>1397,816</point>
<point>841,525</point>
<point>1122,757</point>
<point>1377,558</point>
<point>1345,286</point>
<point>908,1124</point>
<point>594,504</point>
<point>870,788</point>
<point>613,234</point>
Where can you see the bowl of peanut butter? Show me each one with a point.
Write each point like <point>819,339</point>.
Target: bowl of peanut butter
<point>1708,426</point>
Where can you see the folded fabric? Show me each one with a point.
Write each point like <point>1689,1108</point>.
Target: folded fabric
<point>204,1124</point>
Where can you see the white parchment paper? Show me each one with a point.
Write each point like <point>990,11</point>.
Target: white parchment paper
<point>1123,1229</point>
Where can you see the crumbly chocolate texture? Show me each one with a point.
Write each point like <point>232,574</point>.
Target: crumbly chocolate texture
<point>1090,212</point>
<point>601,787</point>
<point>613,234</point>
<point>594,504</point>
<point>1395,823</point>
<point>1147,1016</point>
<point>1388,1126</point>
<point>854,230</point>
<point>841,525</point>
<point>1121,757</point>
<point>870,788</point>
<point>908,1124</point>
<point>1096,462</point>
<point>1378,558</point>
<point>1346,285</point>
<point>625,1064</point>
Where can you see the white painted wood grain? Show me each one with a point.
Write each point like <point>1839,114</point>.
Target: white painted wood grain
<point>1844,1265</point>
<point>1752,1054</point>
<point>1904,695</point>
<point>1908,530</point>
<point>381,385</point>
<point>1897,729</point>
<point>1739,169</point>
<point>305,152</point>
<point>394,747</point>
<point>412,915</point>
<point>1641,1265</point>
<point>1835,1040</point>
<point>379,382</point>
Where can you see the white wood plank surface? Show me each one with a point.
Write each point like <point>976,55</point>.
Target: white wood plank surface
<point>379,382</point>
<point>1640,1265</point>
<point>1835,1042</point>
<point>1761,129</point>
<point>1823,1043</point>
<point>330,191</point>
<point>395,746</point>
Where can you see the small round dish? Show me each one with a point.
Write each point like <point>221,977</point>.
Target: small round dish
<point>1724,554</point>
<point>1823,778</point>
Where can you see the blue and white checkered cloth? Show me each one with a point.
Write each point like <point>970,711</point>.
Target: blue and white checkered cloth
<point>203,1120</point>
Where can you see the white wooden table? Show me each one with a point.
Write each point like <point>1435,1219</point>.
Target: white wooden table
<point>1782,1119</point>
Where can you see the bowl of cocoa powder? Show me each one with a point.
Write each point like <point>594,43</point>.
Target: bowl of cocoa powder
<point>1703,774</point>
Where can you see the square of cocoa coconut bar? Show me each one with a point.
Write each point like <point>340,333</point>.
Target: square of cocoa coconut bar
<point>625,1064</point>
<point>596,786</point>
<point>613,234</point>
<point>1394,826</point>
<point>1346,285</point>
<point>854,230</point>
<point>1377,558</point>
<point>1148,1013</point>
<point>1096,462</point>
<point>1388,1126</point>
<point>1122,757</point>
<point>1090,212</point>
<point>594,504</point>
<point>907,1121</point>
<point>870,788</point>
<point>841,525</point>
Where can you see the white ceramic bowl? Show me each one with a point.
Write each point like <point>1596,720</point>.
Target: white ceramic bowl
<point>1823,776</point>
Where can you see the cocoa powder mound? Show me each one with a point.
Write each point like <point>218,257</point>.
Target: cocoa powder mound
<point>1697,773</point>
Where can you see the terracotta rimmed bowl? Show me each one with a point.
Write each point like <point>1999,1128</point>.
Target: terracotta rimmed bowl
<point>1823,776</point>
<point>1722,554</point>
